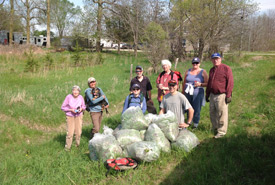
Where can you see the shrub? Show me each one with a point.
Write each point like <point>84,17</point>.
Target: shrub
<point>31,63</point>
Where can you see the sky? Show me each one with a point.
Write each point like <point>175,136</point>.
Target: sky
<point>263,4</point>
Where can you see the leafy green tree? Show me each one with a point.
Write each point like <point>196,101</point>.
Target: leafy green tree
<point>100,6</point>
<point>156,44</point>
<point>209,20</point>
<point>62,14</point>
<point>117,30</point>
<point>43,32</point>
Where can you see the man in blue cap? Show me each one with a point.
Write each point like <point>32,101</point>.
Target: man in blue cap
<point>219,90</point>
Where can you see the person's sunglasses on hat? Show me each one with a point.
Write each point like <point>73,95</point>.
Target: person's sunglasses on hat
<point>172,83</point>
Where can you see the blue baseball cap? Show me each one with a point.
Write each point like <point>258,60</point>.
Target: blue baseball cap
<point>216,55</point>
<point>195,60</point>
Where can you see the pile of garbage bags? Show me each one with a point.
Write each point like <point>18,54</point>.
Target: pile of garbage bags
<point>141,137</point>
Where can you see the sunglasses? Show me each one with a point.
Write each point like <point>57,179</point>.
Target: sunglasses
<point>138,71</point>
<point>195,63</point>
<point>135,89</point>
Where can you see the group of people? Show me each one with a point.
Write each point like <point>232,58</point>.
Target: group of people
<point>219,86</point>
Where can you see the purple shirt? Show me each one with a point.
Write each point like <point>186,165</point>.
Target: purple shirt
<point>71,102</point>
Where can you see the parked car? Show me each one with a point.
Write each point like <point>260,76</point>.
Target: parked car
<point>126,46</point>
<point>140,46</point>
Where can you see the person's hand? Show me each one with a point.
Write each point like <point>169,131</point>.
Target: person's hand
<point>80,110</point>
<point>197,84</point>
<point>107,106</point>
<point>103,96</point>
<point>207,99</point>
<point>228,100</point>
<point>183,125</point>
<point>160,86</point>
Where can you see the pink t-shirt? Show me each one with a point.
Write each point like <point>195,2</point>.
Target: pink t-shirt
<point>164,81</point>
<point>71,102</point>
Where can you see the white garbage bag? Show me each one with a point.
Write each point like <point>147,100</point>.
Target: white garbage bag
<point>147,151</point>
<point>155,134</point>
<point>186,140</point>
<point>127,136</point>
<point>133,118</point>
<point>151,118</point>
<point>107,130</point>
<point>103,147</point>
<point>168,125</point>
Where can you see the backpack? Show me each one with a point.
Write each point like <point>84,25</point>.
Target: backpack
<point>141,99</point>
<point>120,164</point>
<point>179,76</point>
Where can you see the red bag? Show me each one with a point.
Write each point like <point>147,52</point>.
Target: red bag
<point>120,164</point>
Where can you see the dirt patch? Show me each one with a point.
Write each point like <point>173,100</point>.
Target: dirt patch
<point>256,58</point>
<point>20,49</point>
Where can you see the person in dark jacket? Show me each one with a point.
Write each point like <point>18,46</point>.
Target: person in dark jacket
<point>219,90</point>
<point>145,88</point>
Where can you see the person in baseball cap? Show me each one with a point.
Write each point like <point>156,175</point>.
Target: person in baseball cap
<point>196,60</point>
<point>135,99</point>
<point>215,55</point>
<point>135,86</point>
<point>94,105</point>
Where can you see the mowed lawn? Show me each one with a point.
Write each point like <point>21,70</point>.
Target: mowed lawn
<point>33,129</point>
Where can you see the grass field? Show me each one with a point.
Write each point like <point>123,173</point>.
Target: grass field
<point>32,126</point>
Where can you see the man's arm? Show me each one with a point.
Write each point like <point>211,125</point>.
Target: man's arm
<point>230,83</point>
<point>161,111</point>
<point>190,115</point>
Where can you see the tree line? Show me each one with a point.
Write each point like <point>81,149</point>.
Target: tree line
<point>162,26</point>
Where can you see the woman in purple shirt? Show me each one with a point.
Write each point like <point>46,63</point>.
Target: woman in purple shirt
<point>73,106</point>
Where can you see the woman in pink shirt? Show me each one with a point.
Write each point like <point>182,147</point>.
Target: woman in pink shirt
<point>73,106</point>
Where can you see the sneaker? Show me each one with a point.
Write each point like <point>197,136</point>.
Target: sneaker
<point>194,127</point>
<point>67,149</point>
<point>218,136</point>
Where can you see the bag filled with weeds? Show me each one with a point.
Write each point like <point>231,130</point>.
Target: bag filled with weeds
<point>147,151</point>
<point>103,147</point>
<point>127,136</point>
<point>186,140</point>
<point>154,134</point>
<point>168,125</point>
<point>133,118</point>
<point>151,118</point>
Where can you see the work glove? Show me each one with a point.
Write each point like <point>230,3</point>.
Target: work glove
<point>228,100</point>
<point>207,99</point>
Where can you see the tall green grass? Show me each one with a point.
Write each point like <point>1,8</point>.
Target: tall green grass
<point>37,156</point>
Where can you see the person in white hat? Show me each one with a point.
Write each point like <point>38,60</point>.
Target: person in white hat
<point>163,78</point>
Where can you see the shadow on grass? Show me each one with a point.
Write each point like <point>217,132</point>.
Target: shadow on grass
<point>271,77</point>
<point>230,160</point>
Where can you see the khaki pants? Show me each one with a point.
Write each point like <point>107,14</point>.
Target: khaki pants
<point>219,113</point>
<point>96,119</point>
<point>74,126</point>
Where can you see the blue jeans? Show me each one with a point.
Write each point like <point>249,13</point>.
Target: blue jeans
<point>196,101</point>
